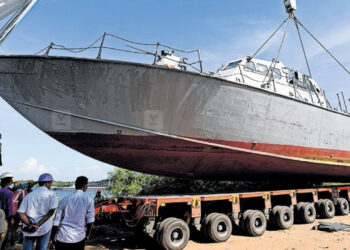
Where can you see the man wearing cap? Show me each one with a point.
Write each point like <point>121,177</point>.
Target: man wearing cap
<point>6,207</point>
<point>36,212</point>
<point>74,218</point>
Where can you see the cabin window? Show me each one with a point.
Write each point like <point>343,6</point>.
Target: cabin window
<point>277,72</point>
<point>232,65</point>
<point>261,68</point>
<point>302,85</point>
<point>250,65</point>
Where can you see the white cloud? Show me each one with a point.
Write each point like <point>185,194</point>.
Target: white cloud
<point>92,172</point>
<point>31,169</point>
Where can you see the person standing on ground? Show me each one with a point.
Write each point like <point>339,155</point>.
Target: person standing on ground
<point>19,192</point>
<point>36,212</point>
<point>6,207</point>
<point>98,196</point>
<point>74,218</point>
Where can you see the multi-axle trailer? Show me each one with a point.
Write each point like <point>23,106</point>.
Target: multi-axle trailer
<point>168,219</point>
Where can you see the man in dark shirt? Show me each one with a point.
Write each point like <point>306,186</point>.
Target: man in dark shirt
<point>6,206</point>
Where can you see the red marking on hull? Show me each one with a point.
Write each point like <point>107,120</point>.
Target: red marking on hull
<point>289,150</point>
<point>179,158</point>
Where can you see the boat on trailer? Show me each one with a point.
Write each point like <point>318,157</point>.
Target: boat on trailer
<point>251,119</point>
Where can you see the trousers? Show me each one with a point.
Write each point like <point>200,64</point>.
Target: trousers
<point>68,246</point>
<point>41,242</point>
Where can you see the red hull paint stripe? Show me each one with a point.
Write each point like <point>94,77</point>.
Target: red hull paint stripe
<point>297,153</point>
<point>320,154</point>
<point>197,159</point>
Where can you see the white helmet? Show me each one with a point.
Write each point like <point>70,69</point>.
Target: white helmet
<point>6,175</point>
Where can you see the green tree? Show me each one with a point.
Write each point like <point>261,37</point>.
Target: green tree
<point>125,182</point>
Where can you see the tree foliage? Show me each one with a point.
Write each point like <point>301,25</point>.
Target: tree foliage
<point>62,183</point>
<point>125,182</point>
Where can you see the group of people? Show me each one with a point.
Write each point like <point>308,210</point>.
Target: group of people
<point>46,222</point>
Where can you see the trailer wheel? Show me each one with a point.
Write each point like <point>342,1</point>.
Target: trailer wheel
<point>342,207</point>
<point>219,228</point>
<point>299,205</point>
<point>284,217</point>
<point>256,223</point>
<point>242,222</point>
<point>327,209</point>
<point>160,228</point>
<point>318,207</point>
<point>206,222</point>
<point>307,213</point>
<point>174,235</point>
<point>273,215</point>
<point>319,202</point>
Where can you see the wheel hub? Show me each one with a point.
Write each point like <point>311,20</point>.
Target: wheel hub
<point>309,212</point>
<point>258,222</point>
<point>286,217</point>
<point>221,227</point>
<point>176,235</point>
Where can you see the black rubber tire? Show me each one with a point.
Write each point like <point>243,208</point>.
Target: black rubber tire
<point>297,209</point>
<point>307,213</point>
<point>208,218</point>
<point>342,207</point>
<point>219,228</point>
<point>273,215</point>
<point>299,205</point>
<point>318,207</point>
<point>327,209</point>
<point>319,202</point>
<point>256,223</point>
<point>160,228</point>
<point>175,235</point>
<point>284,217</point>
<point>205,223</point>
<point>244,218</point>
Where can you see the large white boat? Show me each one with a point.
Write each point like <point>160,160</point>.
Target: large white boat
<point>251,119</point>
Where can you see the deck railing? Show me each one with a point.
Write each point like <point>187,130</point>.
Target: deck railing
<point>131,45</point>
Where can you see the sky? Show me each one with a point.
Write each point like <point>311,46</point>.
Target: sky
<point>223,30</point>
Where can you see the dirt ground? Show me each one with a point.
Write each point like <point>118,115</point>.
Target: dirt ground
<point>298,237</point>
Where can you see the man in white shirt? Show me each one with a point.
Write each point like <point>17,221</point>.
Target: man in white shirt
<point>36,212</point>
<point>74,218</point>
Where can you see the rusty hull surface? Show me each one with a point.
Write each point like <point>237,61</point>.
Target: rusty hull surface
<point>175,123</point>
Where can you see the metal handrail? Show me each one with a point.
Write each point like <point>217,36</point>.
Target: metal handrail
<point>135,50</point>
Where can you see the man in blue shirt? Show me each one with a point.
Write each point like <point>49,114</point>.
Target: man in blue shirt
<point>74,218</point>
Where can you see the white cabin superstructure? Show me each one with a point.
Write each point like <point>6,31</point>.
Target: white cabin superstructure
<point>273,76</point>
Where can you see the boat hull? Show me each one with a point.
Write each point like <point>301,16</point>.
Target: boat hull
<point>175,123</point>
